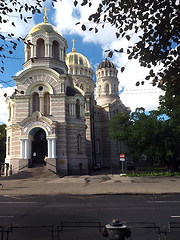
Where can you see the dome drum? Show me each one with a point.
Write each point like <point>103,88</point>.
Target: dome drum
<point>108,72</point>
<point>45,42</point>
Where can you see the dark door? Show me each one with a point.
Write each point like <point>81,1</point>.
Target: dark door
<point>39,147</point>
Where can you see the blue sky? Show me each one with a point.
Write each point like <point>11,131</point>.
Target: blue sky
<point>64,16</point>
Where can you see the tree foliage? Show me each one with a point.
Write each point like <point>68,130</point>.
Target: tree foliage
<point>157,26</point>
<point>2,142</point>
<point>149,134</point>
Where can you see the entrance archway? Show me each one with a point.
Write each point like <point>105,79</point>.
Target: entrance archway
<point>39,146</point>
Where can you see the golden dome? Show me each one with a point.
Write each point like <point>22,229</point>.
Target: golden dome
<point>44,27</point>
<point>77,59</point>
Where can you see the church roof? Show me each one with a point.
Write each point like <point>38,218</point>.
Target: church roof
<point>44,27</point>
<point>71,91</point>
<point>106,64</point>
<point>75,58</point>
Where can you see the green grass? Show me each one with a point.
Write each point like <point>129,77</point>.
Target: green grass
<point>143,174</point>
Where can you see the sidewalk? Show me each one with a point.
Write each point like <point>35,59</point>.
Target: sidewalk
<point>41,181</point>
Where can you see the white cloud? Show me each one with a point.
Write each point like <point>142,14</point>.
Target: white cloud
<point>20,28</point>
<point>65,17</point>
<point>4,112</point>
<point>145,96</point>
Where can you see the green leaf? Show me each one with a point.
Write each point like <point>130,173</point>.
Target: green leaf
<point>110,54</point>
<point>83,27</point>
<point>117,35</point>
<point>75,3</point>
<point>122,69</point>
<point>128,37</point>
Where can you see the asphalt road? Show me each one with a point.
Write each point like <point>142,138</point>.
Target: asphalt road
<point>33,216</point>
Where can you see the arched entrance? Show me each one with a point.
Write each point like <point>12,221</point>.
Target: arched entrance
<point>39,146</point>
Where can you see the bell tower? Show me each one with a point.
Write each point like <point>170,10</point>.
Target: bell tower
<point>107,83</point>
<point>45,46</point>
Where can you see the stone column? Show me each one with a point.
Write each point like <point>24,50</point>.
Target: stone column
<point>73,109</point>
<point>60,54</point>
<point>70,109</point>
<point>22,148</point>
<point>50,50</point>
<point>46,54</point>
<point>49,148</point>
<point>41,104</point>
<point>53,148</point>
<point>34,50</point>
<point>26,148</point>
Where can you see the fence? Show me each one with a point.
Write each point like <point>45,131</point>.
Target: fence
<point>89,231</point>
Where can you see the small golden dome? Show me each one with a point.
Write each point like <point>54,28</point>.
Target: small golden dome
<point>75,59</point>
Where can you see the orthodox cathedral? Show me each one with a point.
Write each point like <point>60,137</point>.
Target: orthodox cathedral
<point>54,115</point>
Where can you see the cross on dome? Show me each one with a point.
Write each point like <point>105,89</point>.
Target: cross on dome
<point>73,49</point>
<point>45,14</point>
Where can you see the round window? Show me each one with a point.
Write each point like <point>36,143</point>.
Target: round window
<point>40,88</point>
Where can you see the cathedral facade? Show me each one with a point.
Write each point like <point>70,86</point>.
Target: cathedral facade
<point>54,115</point>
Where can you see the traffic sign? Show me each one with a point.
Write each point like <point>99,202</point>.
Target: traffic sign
<point>122,159</point>
<point>122,156</point>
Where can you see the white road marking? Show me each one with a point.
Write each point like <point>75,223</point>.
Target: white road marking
<point>163,201</point>
<point>18,202</point>
<point>175,216</point>
<point>6,216</point>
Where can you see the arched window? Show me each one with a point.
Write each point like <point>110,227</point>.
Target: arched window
<point>28,51</point>
<point>40,48</point>
<point>82,86</point>
<point>55,50</point>
<point>46,104</point>
<point>77,108</point>
<point>107,89</point>
<point>79,143</point>
<point>99,90</point>
<point>35,102</point>
<point>114,88</point>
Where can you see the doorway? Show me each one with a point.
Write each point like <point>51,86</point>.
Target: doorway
<point>39,147</point>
